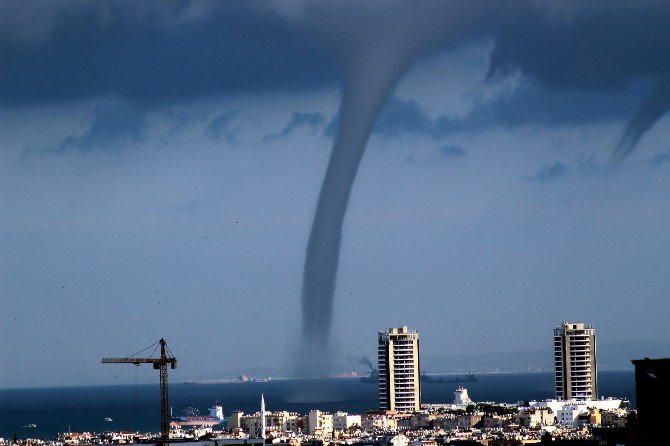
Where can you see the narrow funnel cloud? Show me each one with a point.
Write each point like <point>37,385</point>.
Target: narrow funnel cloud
<point>371,80</point>
<point>655,106</point>
<point>379,50</point>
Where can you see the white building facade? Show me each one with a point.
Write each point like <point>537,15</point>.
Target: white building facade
<point>342,421</point>
<point>399,380</point>
<point>567,411</point>
<point>320,424</point>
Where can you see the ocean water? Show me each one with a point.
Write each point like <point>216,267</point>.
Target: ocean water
<point>136,408</point>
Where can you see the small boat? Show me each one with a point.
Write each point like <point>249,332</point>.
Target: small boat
<point>109,420</point>
<point>30,425</point>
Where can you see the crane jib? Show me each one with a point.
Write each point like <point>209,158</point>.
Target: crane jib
<point>158,364</point>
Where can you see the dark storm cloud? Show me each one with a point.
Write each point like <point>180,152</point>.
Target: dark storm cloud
<point>158,59</point>
<point>221,127</point>
<point>589,46</point>
<point>112,128</point>
<point>313,121</point>
<point>576,55</point>
<point>364,47</point>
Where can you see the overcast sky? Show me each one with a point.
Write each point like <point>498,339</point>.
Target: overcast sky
<point>161,162</point>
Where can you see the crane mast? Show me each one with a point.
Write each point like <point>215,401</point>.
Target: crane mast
<point>160,364</point>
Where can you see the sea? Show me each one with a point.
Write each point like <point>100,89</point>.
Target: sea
<point>55,410</point>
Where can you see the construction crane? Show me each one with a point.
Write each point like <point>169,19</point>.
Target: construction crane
<point>159,364</point>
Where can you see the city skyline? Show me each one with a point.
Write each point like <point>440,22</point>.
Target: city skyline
<point>160,168</point>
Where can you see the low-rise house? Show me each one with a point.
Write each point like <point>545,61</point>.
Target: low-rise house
<point>342,421</point>
<point>394,440</point>
<point>378,422</point>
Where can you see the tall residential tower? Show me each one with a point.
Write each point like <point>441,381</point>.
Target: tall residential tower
<point>399,380</point>
<point>575,361</point>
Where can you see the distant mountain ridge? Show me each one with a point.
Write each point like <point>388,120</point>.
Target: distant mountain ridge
<point>611,356</point>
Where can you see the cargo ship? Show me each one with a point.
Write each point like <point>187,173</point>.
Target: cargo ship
<point>451,379</point>
<point>372,377</point>
<point>215,417</point>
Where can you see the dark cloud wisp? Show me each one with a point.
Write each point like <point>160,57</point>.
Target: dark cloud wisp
<point>112,128</point>
<point>221,127</point>
<point>313,121</point>
<point>452,152</point>
<point>526,105</point>
<point>549,172</point>
<point>660,158</point>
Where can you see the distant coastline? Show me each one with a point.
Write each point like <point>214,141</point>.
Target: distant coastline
<point>134,407</point>
<point>296,378</point>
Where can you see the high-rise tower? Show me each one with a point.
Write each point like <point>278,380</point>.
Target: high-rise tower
<point>399,380</point>
<point>575,361</point>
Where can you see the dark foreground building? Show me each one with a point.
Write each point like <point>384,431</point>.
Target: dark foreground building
<point>652,387</point>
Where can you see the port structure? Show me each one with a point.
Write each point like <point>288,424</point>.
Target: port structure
<point>159,364</point>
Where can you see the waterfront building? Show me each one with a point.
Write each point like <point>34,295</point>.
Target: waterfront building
<point>575,361</point>
<point>399,379</point>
